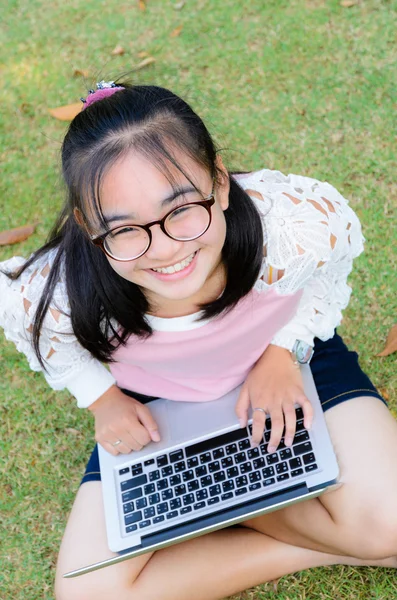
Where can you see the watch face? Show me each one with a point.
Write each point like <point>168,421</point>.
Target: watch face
<point>303,352</point>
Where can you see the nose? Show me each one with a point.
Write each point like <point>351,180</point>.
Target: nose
<point>162,246</point>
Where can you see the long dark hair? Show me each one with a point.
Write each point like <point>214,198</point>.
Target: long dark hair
<point>106,308</point>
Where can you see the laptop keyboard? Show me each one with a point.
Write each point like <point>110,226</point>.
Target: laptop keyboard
<point>222,470</point>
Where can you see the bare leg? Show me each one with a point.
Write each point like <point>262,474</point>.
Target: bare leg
<point>358,519</point>
<point>211,567</point>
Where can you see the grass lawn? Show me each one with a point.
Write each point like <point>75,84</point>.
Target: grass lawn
<point>303,86</point>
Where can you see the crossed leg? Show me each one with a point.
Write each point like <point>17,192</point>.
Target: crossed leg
<point>359,519</point>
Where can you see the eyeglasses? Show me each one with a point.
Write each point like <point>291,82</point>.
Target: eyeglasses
<point>183,224</point>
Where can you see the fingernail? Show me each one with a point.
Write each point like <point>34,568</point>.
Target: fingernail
<point>254,444</point>
<point>155,436</point>
<point>271,449</point>
<point>309,424</point>
<point>288,441</point>
<point>242,422</point>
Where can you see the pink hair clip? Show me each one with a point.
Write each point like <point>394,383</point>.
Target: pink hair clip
<point>104,89</point>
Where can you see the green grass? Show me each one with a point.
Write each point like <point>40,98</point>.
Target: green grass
<point>303,86</point>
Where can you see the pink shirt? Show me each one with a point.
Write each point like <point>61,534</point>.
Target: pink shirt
<point>200,361</point>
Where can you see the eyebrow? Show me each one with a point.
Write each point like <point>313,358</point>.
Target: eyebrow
<point>184,190</point>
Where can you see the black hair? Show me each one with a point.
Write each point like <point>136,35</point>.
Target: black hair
<point>105,309</point>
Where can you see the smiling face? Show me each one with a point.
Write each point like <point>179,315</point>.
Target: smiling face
<point>133,192</point>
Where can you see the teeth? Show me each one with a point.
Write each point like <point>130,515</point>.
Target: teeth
<point>178,267</point>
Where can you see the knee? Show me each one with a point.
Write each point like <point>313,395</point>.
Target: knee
<point>371,535</point>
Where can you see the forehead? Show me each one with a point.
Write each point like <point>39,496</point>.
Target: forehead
<point>136,185</point>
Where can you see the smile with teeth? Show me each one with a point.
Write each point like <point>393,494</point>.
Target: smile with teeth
<point>178,266</point>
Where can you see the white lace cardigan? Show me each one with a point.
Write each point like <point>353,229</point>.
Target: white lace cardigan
<point>311,236</point>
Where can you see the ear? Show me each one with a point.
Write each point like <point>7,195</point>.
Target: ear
<point>222,184</point>
<point>78,217</point>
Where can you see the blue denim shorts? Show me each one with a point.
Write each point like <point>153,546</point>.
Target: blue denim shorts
<point>336,373</point>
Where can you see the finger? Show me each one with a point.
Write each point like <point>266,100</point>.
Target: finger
<point>258,427</point>
<point>290,424</point>
<point>308,412</point>
<point>277,419</point>
<point>146,418</point>
<point>115,450</point>
<point>242,405</point>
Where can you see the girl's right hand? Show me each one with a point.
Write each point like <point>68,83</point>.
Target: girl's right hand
<point>119,417</point>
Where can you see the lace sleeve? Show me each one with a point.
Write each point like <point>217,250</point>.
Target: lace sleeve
<point>68,364</point>
<point>311,236</point>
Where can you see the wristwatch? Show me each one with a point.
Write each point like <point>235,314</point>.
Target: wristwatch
<point>302,352</point>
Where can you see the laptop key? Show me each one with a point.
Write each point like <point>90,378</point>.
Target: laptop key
<point>162,484</point>
<point>180,490</point>
<point>166,471</point>
<point>133,518</point>
<point>199,505</point>
<point>299,413</point>
<point>220,476</point>
<point>149,489</point>
<point>268,472</point>
<point>193,486</point>
<point>205,481</point>
<point>227,462</point>
<point>255,476</point>
<point>309,458</point>
<point>186,509</point>
<point>162,508</point>
<point>294,463</point>
<point>300,437</point>
<point>167,494</point>
<point>132,494</point>
<point>131,528</point>
<point>218,453</point>
<point>232,472</point>
<point>201,495</point>
<point>154,499</point>
<point>124,471</point>
<point>200,471</point>
<point>269,482</point>
<point>172,515</point>
<point>154,475</point>
<point>141,503</point>
<point>281,467</point>
<point>214,466</point>
<point>188,499</point>
<point>263,448</point>
<point>205,457</point>
<point>179,466</point>
<point>266,436</point>
<point>136,469</point>
<point>148,513</point>
<point>176,455</point>
<point>244,444</point>
<point>299,425</point>
<point>129,507</point>
<point>311,467</point>
<point>175,503</point>
<point>159,519</point>
<point>214,490</point>
<point>188,475</point>
<point>162,461</point>
<point>240,457</point>
<point>175,480</point>
<point>227,496</point>
<point>283,477</point>
<point>286,454</point>
<point>302,448</point>
<point>231,449</point>
<point>148,462</point>
<point>227,486</point>
<point>259,462</point>
<point>254,486</point>
<point>245,468</point>
<point>213,501</point>
<point>253,453</point>
<point>241,491</point>
<point>240,481</point>
<point>192,462</point>
<point>134,482</point>
<point>296,472</point>
<point>272,458</point>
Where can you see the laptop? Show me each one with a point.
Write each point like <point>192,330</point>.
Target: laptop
<point>203,475</point>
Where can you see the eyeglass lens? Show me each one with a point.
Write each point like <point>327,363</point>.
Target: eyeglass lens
<point>183,224</point>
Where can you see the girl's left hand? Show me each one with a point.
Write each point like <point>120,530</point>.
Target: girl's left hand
<point>274,384</point>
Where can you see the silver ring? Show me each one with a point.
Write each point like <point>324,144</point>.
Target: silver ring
<point>117,443</point>
<point>261,409</point>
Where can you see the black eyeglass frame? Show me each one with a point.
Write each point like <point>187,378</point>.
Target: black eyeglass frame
<point>206,203</point>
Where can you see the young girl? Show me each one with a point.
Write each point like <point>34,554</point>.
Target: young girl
<point>188,280</point>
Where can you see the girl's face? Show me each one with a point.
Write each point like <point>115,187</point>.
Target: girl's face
<point>134,189</point>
